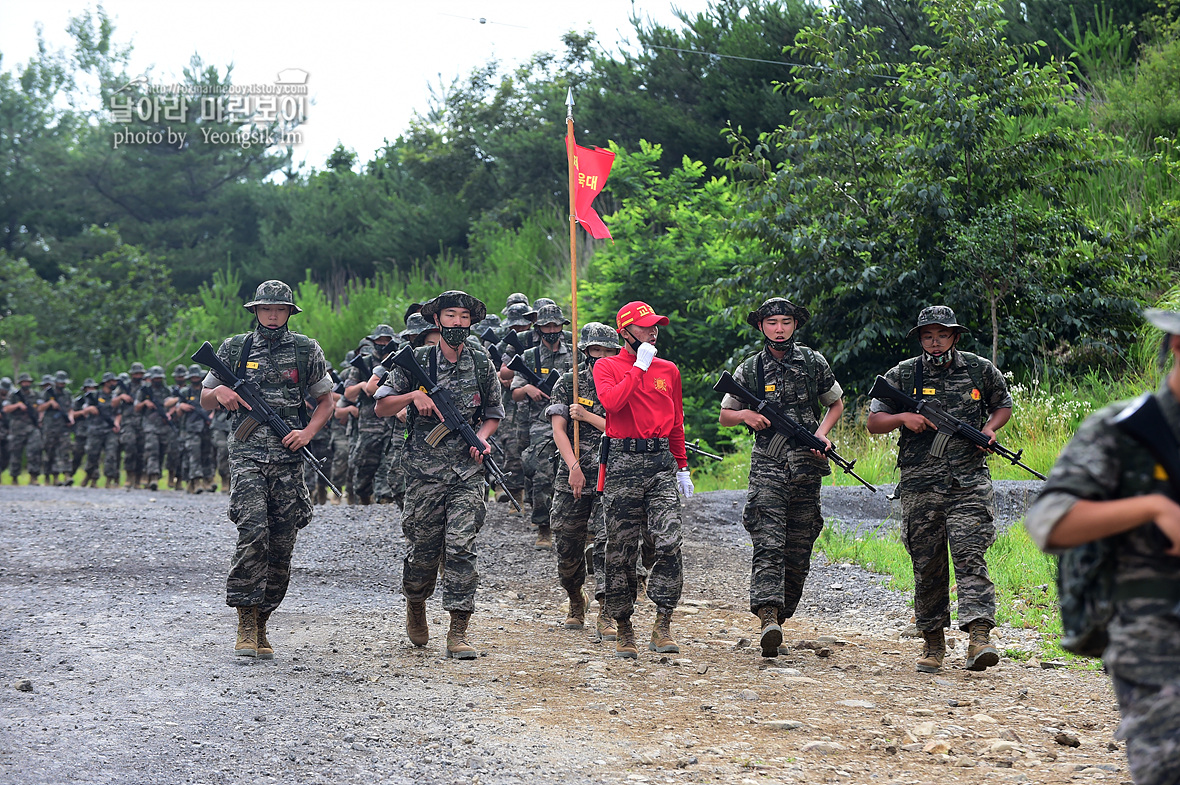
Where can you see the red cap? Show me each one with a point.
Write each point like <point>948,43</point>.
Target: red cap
<point>640,314</point>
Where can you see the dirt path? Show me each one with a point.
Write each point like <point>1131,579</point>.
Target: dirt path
<point>111,605</point>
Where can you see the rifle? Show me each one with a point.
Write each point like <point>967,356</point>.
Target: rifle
<point>339,388</point>
<point>452,421</point>
<point>91,399</point>
<point>785,427</point>
<point>532,377</point>
<point>260,411</point>
<point>496,446</point>
<point>29,410</point>
<point>696,448</point>
<point>492,348</point>
<point>946,424</point>
<point>513,340</point>
<point>147,393</point>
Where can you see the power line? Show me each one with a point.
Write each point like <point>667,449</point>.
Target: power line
<point>756,60</point>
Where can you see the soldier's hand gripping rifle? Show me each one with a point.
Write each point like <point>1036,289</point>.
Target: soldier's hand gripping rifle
<point>532,377</point>
<point>695,447</point>
<point>91,399</point>
<point>947,425</point>
<point>452,420</point>
<point>259,412</point>
<point>786,430</point>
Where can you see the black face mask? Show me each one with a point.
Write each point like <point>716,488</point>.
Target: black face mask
<point>455,336</point>
<point>781,346</point>
<point>272,334</point>
<point>939,360</point>
<point>550,339</point>
<point>631,340</point>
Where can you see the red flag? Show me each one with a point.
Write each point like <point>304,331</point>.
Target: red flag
<point>592,167</point>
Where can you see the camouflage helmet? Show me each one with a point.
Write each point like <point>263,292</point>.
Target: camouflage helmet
<point>348,358</point>
<point>156,372</point>
<point>453,298</point>
<point>136,367</point>
<point>179,370</point>
<point>542,301</point>
<point>89,382</point>
<point>273,293</point>
<point>490,322</point>
<point>550,314</point>
<point>519,315</point>
<point>108,377</point>
<point>6,383</point>
<point>24,377</point>
<point>939,315</point>
<point>125,378</point>
<point>1168,321</point>
<point>597,334</point>
<point>778,306</point>
<point>513,299</point>
<point>383,331</point>
<point>416,326</point>
<point>195,370</point>
<point>61,377</point>
<point>46,380</point>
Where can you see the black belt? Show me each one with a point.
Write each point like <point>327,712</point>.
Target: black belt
<point>1148,589</point>
<point>641,445</point>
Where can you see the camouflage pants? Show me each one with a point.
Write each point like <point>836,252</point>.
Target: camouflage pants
<point>155,440</point>
<point>221,454</point>
<point>390,483</point>
<point>783,518</point>
<point>578,523</point>
<point>509,439</point>
<point>269,504</point>
<point>131,441</point>
<point>962,518</point>
<point>175,463</point>
<point>56,444</point>
<point>339,456</point>
<point>1151,726</point>
<point>538,467</point>
<point>79,453</point>
<point>192,467</point>
<point>442,519</point>
<point>103,445</point>
<point>20,441</point>
<point>366,457</point>
<point>641,490</point>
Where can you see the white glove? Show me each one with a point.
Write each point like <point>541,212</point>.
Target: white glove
<point>684,481</point>
<point>644,356</point>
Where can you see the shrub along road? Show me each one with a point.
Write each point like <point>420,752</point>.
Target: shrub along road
<point>111,607</point>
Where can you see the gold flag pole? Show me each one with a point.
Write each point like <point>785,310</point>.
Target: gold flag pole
<point>570,154</point>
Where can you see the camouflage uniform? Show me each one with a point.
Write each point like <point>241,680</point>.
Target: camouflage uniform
<point>948,499</point>
<point>321,448</point>
<point>1102,463</point>
<point>174,449</point>
<point>5,388</point>
<point>156,426</point>
<point>268,498</point>
<point>372,431</point>
<point>131,430</point>
<point>538,459</point>
<point>102,443</point>
<point>55,427</point>
<point>782,511</point>
<point>219,433</point>
<point>514,429</point>
<point>24,430</point>
<point>445,499</point>
<point>193,429</point>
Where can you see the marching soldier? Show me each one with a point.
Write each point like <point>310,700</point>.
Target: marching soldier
<point>102,441</point>
<point>343,414</point>
<point>577,517</point>
<point>947,499</point>
<point>57,417</point>
<point>84,425</point>
<point>446,496</point>
<point>645,466</point>
<point>24,435</point>
<point>550,356</point>
<point>5,390</point>
<point>268,498</point>
<point>372,430</point>
<point>174,449</point>
<point>514,431</point>
<point>156,424</point>
<point>131,432</point>
<point>219,434</point>
<point>192,423</point>
<point>782,505</point>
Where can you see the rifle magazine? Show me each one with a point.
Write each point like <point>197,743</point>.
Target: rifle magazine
<point>246,429</point>
<point>938,449</point>
<point>439,433</point>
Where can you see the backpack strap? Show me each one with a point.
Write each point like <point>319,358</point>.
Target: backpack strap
<point>809,366</point>
<point>975,371</point>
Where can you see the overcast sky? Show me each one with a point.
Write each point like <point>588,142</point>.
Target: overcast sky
<point>369,63</point>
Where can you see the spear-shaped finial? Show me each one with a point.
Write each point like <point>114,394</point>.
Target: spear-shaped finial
<point>569,102</point>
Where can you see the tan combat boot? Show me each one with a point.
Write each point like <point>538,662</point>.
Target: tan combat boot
<point>265,650</point>
<point>209,485</point>
<point>544,539</point>
<point>933,651</point>
<point>416,627</point>
<point>247,645</point>
<point>605,627</point>
<point>661,635</point>
<point>174,482</point>
<point>191,487</point>
<point>772,633</point>
<point>517,494</point>
<point>457,645</point>
<point>32,479</point>
<point>980,652</point>
<point>625,646</point>
<point>576,618</point>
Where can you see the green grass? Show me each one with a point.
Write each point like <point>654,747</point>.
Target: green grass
<point>1025,580</point>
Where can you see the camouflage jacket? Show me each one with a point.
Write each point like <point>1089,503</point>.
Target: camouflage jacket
<point>543,362</point>
<point>275,370</point>
<point>589,437</point>
<point>19,422</point>
<point>1102,463</point>
<point>155,420</point>
<point>477,399</point>
<point>962,465</point>
<point>196,421</point>
<point>57,420</point>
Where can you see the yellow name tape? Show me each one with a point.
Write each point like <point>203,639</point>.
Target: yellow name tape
<point>770,388</point>
<point>585,401</point>
<point>929,391</point>
<point>1160,474</point>
<point>252,366</point>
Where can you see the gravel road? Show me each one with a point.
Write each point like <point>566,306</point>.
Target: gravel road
<point>112,608</point>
